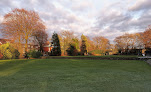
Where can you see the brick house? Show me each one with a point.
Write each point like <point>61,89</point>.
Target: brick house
<point>47,47</point>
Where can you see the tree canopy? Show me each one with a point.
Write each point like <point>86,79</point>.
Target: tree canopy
<point>19,24</point>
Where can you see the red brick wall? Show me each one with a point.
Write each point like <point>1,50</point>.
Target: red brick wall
<point>46,49</point>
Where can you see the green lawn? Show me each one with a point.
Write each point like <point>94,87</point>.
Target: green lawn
<point>56,75</point>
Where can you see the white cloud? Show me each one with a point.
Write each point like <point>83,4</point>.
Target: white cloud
<point>141,5</point>
<point>89,17</point>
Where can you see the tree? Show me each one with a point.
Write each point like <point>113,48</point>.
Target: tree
<point>56,51</point>
<point>123,42</point>
<point>102,43</point>
<point>73,47</point>
<point>146,37</point>
<point>90,45</point>
<point>83,47</point>
<point>72,51</point>
<point>128,42</point>
<point>66,40</point>
<point>20,24</point>
<point>40,37</point>
<point>75,43</point>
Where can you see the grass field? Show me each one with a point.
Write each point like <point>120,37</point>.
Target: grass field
<point>56,75</point>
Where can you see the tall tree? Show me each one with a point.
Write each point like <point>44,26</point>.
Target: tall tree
<point>146,37</point>
<point>75,42</point>
<point>102,43</point>
<point>20,24</point>
<point>124,41</point>
<point>56,51</point>
<point>83,47</point>
<point>40,37</point>
<point>90,45</point>
<point>66,40</point>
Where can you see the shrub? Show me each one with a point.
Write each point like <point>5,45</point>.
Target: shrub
<point>8,51</point>
<point>35,54</point>
<point>72,51</point>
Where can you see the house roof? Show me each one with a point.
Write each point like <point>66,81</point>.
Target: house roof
<point>3,41</point>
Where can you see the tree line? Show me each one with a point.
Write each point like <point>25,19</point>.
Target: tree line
<point>25,26</point>
<point>134,43</point>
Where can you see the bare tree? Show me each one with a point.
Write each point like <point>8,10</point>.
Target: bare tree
<point>40,36</point>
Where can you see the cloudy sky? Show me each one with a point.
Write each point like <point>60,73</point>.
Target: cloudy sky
<point>108,18</point>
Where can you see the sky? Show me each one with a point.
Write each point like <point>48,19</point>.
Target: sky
<point>108,18</point>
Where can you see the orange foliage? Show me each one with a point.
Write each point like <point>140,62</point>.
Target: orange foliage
<point>101,43</point>
<point>19,24</point>
<point>147,38</point>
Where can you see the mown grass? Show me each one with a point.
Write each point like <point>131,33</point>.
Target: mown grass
<point>56,75</point>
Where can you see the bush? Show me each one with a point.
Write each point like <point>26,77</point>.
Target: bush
<point>8,51</point>
<point>35,54</point>
<point>72,51</point>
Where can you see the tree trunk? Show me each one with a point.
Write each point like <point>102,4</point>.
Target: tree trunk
<point>26,45</point>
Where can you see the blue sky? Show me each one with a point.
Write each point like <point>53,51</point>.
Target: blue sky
<point>108,18</point>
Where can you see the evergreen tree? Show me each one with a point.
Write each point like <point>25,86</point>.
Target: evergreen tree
<point>73,47</point>
<point>72,51</point>
<point>83,45</point>
<point>56,51</point>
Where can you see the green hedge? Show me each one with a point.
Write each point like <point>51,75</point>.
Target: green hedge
<point>34,54</point>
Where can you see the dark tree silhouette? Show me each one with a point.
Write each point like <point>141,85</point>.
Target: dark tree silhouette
<point>56,51</point>
<point>83,45</point>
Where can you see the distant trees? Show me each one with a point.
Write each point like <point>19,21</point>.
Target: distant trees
<point>25,26</point>
<point>56,51</point>
<point>128,42</point>
<point>20,24</point>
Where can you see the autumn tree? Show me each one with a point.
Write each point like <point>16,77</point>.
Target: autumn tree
<point>113,49</point>
<point>146,37</point>
<point>20,24</point>
<point>66,38</point>
<point>40,37</point>
<point>56,51</point>
<point>128,42</point>
<point>101,43</point>
<point>123,42</point>
<point>90,45</point>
